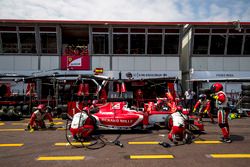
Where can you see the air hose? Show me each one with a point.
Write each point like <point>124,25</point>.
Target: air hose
<point>99,138</point>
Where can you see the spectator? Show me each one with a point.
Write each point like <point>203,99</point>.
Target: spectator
<point>189,95</point>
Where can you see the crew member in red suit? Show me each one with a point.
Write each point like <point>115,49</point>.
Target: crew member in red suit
<point>171,102</point>
<point>38,117</point>
<point>139,98</point>
<point>223,110</point>
<point>168,101</point>
<point>179,124</point>
<point>103,96</point>
<point>203,106</point>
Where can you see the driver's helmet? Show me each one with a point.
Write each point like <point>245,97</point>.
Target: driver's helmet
<point>216,87</point>
<point>202,97</point>
<point>159,102</point>
<point>94,102</point>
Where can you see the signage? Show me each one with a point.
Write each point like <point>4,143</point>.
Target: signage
<point>219,75</point>
<point>98,71</point>
<point>75,62</point>
<point>143,74</point>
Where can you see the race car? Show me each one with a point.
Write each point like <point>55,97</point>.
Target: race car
<point>117,116</point>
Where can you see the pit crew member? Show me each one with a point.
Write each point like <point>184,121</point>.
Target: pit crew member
<point>179,124</point>
<point>223,110</point>
<point>38,117</point>
<point>203,105</point>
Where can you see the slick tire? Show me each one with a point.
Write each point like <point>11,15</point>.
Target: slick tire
<point>245,86</point>
<point>245,99</point>
<point>169,122</point>
<point>246,92</point>
<point>245,105</point>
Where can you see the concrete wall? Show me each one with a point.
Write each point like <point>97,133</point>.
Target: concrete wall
<point>185,59</point>
<point>221,63</point>
<point>146,63</point>
<point>23,63</point>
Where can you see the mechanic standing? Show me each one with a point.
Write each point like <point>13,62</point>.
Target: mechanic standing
<point>171,103</point>
<point>203,106</point>
<point>38,117</point>
<point>223,110</point>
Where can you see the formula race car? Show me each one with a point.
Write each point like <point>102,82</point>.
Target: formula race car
<point>117,116</point>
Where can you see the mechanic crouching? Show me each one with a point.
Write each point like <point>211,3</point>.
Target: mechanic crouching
<point>177,133</point>
<point>38,117</point>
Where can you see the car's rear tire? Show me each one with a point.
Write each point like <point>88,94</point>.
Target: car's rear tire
<point>169,122</point>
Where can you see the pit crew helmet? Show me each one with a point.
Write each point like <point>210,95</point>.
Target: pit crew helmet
<point>41,107</point>
<point>169,96</point>
<point>179,108</point>
<point>216,87</point>
<point>202,97</point>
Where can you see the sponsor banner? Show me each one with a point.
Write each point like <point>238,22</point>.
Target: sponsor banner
<point>219,75</point>
<point>143,74</point>
<point>75,62</point>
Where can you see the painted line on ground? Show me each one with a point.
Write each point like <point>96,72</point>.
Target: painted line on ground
<point>11,145</point>
<point>11,130</point>
<point>1,123</point>
<point>57,119</point>
<point>61,158</point>
<point>229,155</point>
<point>25,124</point>
<point>156,142</point>
<point>166,156</point>
<point>19,123</point>
<point>208,142</point>
<point>73,143</point>
<point>61,129</point>
<point>59,123</point>
<point>143,142</point>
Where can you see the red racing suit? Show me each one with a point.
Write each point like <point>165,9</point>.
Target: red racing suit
<point>223,111</point>
<point>38,117</point>
<point>204,106</point>
<point>178,128</point>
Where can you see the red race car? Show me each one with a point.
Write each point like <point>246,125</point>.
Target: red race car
<point>118,116</point>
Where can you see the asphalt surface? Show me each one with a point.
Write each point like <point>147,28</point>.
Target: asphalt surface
<point>34,147</point>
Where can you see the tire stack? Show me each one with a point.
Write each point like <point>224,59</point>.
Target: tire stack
<point>245,102</point>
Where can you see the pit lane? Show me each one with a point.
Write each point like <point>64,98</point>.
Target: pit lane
<point>50,148</point>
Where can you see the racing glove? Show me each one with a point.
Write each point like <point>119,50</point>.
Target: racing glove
<point>215,97</point>
<point>194,109</point>
<point>205,111</point>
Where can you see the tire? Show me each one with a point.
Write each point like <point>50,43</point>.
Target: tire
<point>246,92</point>
<point>245,99</point>
<point>169,122</point>
<point>245,86</point>
<point>245,105</point>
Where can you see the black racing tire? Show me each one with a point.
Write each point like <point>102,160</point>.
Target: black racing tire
<point>246,92</point>
<point>13,115</point>
<point>245,99</point>
<point>245,105</point>
<point>245,86</point>
<point>169,122</point>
